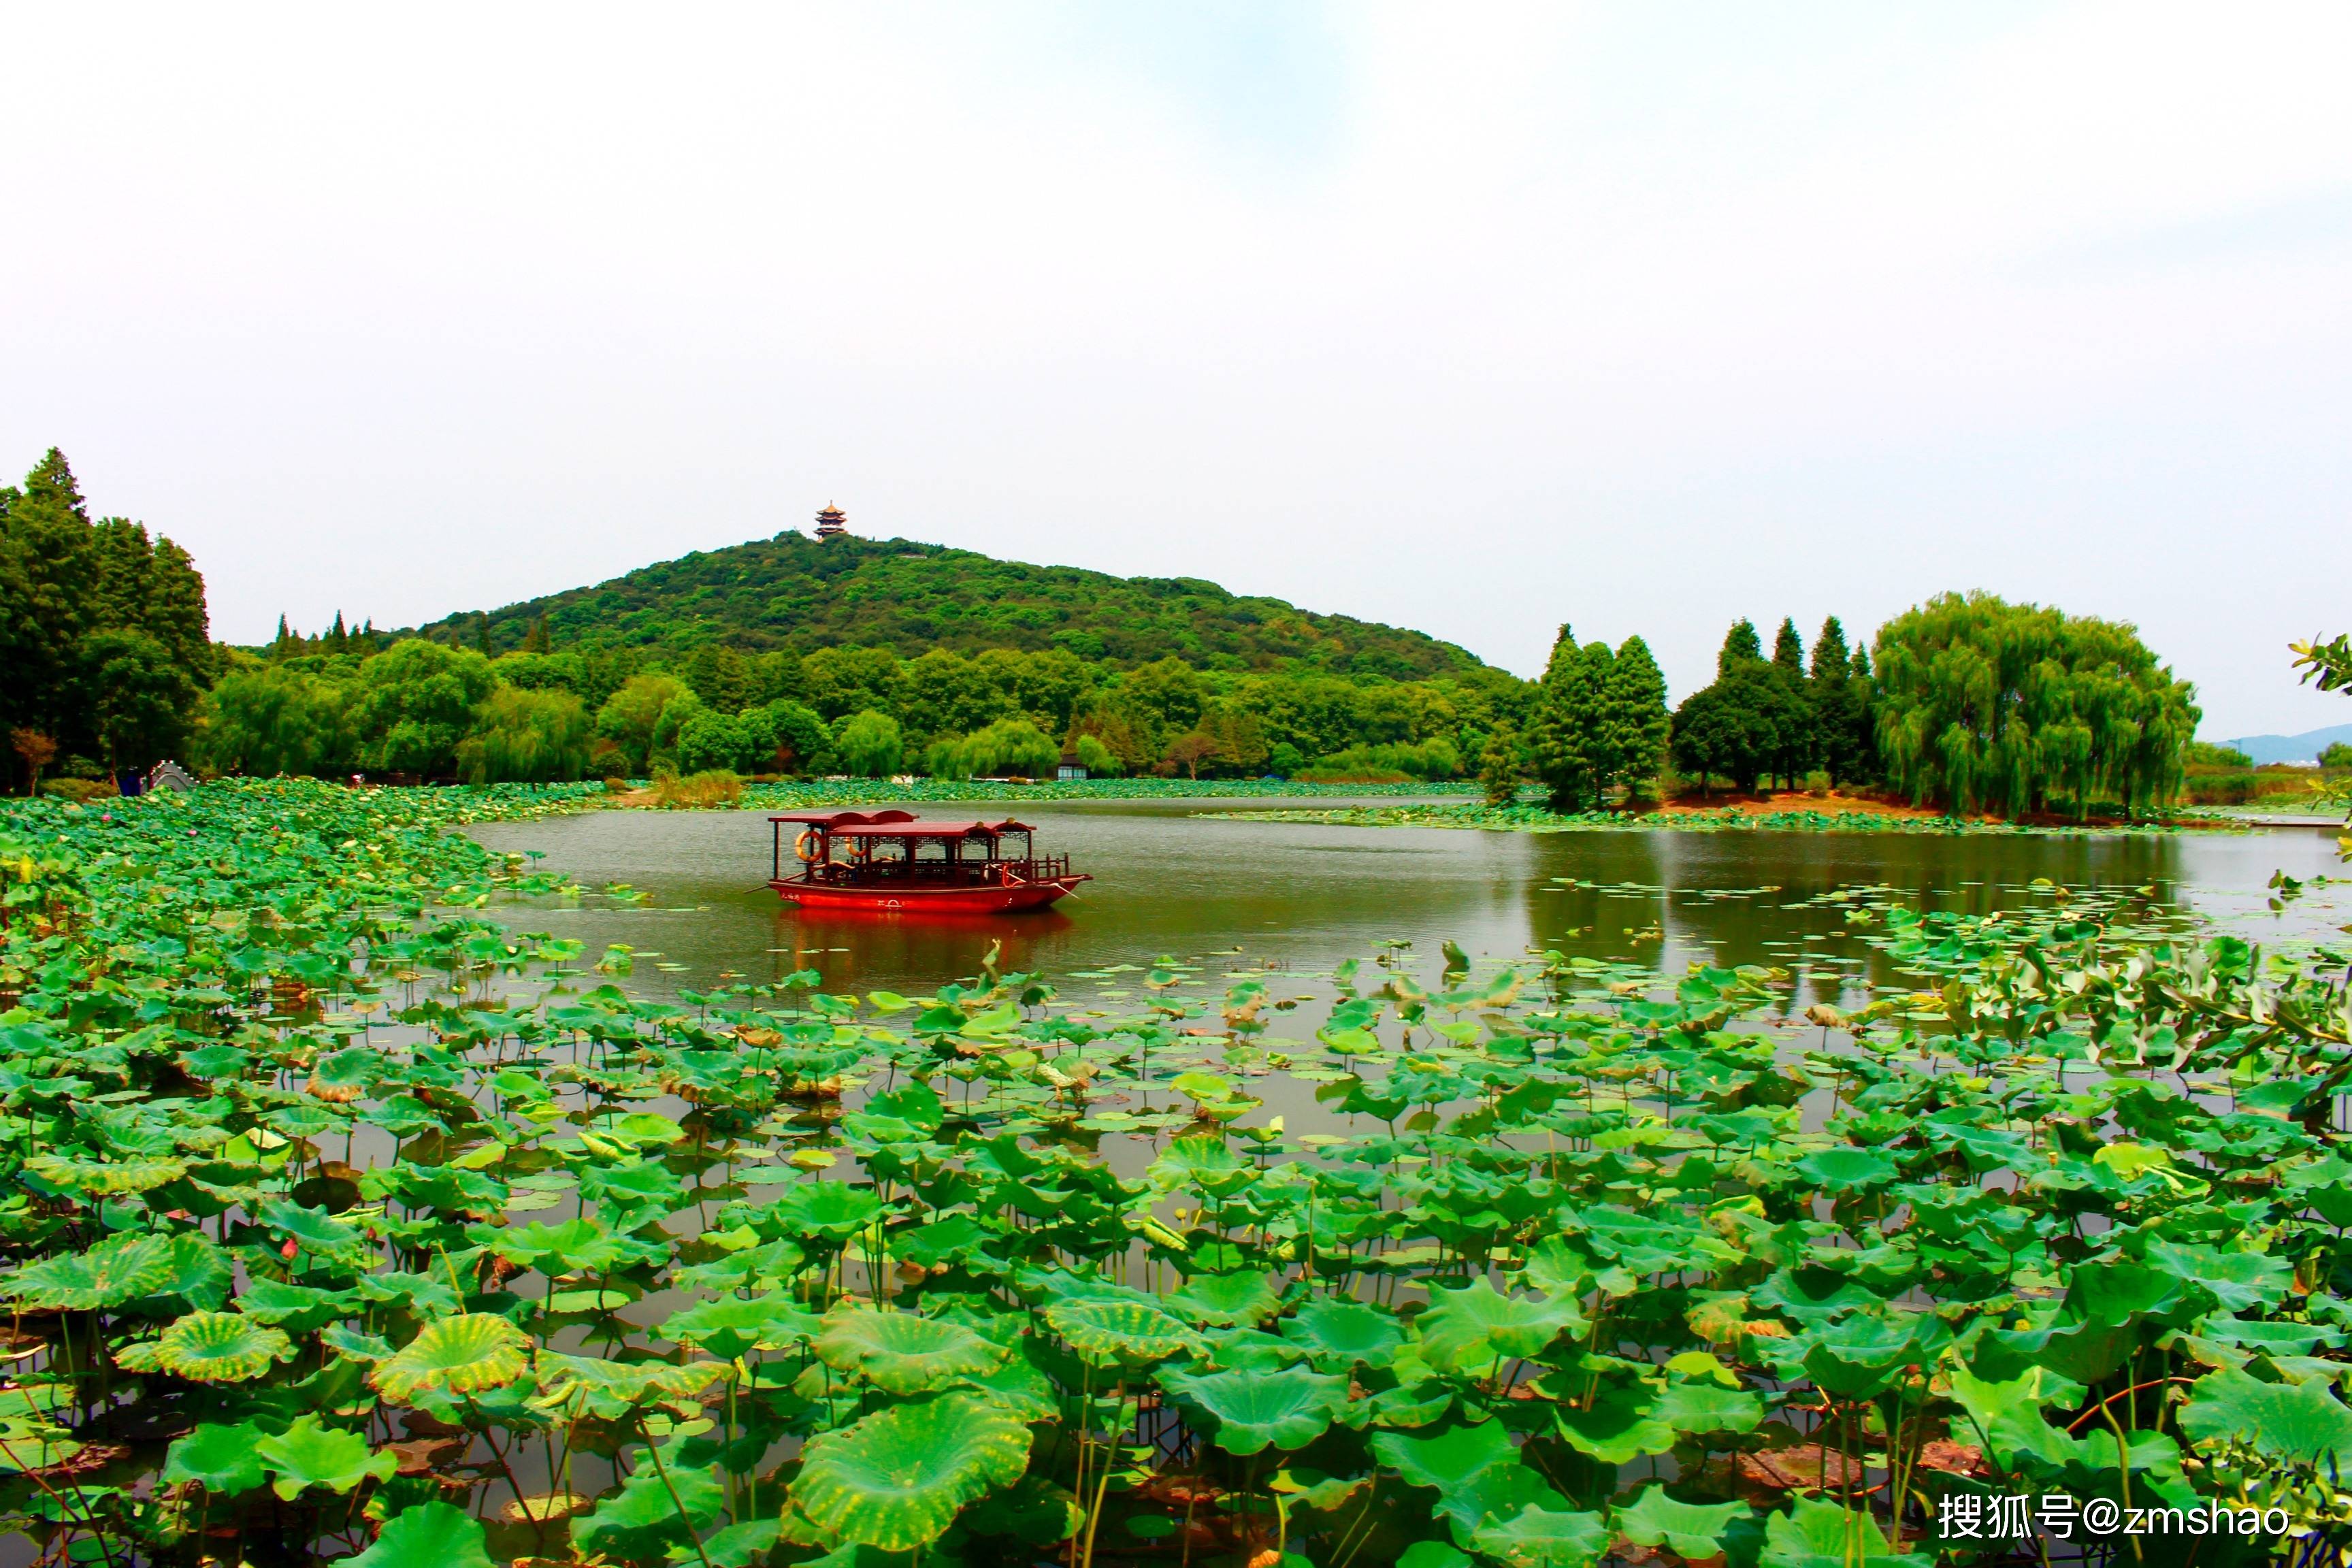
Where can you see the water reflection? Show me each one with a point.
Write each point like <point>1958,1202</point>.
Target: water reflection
<point>1238,895</point>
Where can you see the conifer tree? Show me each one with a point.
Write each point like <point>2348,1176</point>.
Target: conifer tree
<point>1740,646</point>
<point>1788,650</point>
<point>1637,721</point>
<point>337,640</point>
<point>537,640</point>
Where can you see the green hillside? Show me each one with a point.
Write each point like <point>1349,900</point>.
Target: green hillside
<point>795,592</point>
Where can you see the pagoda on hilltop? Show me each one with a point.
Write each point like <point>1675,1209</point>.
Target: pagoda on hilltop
<point>831,523</point>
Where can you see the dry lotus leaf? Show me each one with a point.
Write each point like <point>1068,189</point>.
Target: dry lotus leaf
<point>543,1508</point>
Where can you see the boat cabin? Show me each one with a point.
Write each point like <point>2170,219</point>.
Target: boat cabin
<point>892,848</point>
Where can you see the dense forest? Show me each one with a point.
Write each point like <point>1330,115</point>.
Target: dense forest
<point>104,648</point>
<point>797,657</point>
<point>795,593</point>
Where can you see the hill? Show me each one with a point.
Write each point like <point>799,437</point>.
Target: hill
<point>2303,748</point>
<point>799,594</point>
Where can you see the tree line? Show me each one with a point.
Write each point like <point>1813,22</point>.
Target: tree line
<point>1967,701</point>
<point>104,645</point>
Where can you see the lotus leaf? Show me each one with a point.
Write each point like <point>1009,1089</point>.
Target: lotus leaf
<point>613,1389</point>
<point>832,1210</point>
<point>1697,1408</point>
<point>1539,1537</point>
<point>1472,1327</point>
<point>105,1178</point>
<point>642,1517</point>
<point>1105,1330</point>
<point>219,1458</point>
<point>901,1352</point>
<point>728,1326</point>
<point>308,1454</point>
<point>1337,1331</point>
<point>220,1347</point>
<point>1622,1423</point>
<point>427,1535</point>
<point>117,1270</point>
<point>2299,1423</point>
<point>1225,1299</point>
<point>1256,1409</point>
<point>1690,1530</point>
<point>1818,1533</point>
<point>2240,1281</point>
<point>463,1354</point>
<point>897,1479</point>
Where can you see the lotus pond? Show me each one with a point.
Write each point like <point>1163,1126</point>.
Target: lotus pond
<point>354,1210</point>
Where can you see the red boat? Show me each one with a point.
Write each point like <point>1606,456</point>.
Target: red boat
<point>891,861</point>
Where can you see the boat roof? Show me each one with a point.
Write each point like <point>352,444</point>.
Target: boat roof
<point>912,829</point>
<point>898,825</point>
<point>838,819</point>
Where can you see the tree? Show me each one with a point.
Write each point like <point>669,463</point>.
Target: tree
<point>628,717</point>
<point>272,719</point>
<point>139,702</point>
<point>1727,729</point>
<point>801,736</point>
<point>1096,758</point>
<point>1985,704</point>
<point>535,641</point>
<point>1740,646</point>
<point>870,744</point>
<point>2336,754</point>
<point>1190,749</point>
<point>37,750</point>
<point>1570,740</point>
<point>1840,699</point>
<point>1788,650</point>
<point>1635,722</point>
<point>525,737</point>
<point>416,702</point>
<point>1500,768</point>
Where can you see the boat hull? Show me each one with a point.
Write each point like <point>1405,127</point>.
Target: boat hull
<point>988,898</point>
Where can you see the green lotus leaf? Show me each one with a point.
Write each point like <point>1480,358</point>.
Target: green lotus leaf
<point>119,1269</point>
<point>1471,1328</point>
<point>1540,1538</point>
<point>1256,1409</point>
<point>1846,1170</point>
<point>728,1326</point>
<point>220,1347</point>
<point>308,1454</point>
<point>105,1178</point>
<point>1434,1554</point>
<point>1817,1533</point>
<point>1225,1299</point>
<point>1622,1423</point>
<point>2240,1281</point>
<point>901,1352</point>
<point>1812,1295</point>
<point>614,1389</point>
<point>426,1535</point>
<point>637,1522</point>
<point>733,1547</point>
<point>300,1309</point>
<point>2294,1423</point>
<point>640,1128</point>
<point>1205,1165</point>
<point>312,1227</point>
<point>1476,1471</point>
<point>832,1210</point>
<point>1109,1328</point>
<point>1859,1356</point>
<point>218,1458</point>
<point>897,1479</point>
<point>1709,1407</point>
<point>464,1355</point>
<point>1691,1530</point>
<point>1334,1330</point>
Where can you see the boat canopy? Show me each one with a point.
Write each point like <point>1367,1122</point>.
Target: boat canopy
<point>833,821</point>
<point>914,829</point>
<point>898,825</point>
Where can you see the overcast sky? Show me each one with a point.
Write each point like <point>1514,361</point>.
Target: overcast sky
<point>1472,317</point>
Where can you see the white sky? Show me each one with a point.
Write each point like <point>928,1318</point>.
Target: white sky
<point>1471,318</point>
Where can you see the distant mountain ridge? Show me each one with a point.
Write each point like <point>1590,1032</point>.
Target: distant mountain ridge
<point>2303,748</point>
<point>795,592</point>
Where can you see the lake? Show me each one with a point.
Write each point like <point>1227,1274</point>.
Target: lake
<point>1238,895</point>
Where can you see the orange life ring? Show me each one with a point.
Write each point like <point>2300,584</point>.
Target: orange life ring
<point>809,848</point>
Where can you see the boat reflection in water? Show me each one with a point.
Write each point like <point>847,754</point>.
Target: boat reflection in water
<point>892,861</point>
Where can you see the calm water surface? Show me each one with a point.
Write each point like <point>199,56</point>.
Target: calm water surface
<point>1295,896</point>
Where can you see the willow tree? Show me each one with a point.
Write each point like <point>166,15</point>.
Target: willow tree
<point>1985,705</point>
